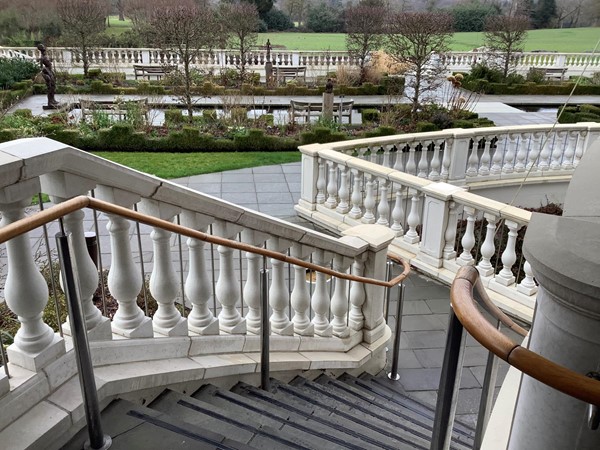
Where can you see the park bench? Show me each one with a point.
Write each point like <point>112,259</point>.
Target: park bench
<point>283,74</point>
<point>553,73</point>
<point>145,72</point>
<point>115,110</point>
<point>306,110</point>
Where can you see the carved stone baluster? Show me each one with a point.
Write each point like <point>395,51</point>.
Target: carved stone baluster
<point>386,155</point>
<point>520,164</point>
<point>423,164</point>
<point>339,301</point>
<point>450,233</point>
<point>278,292</point>
<point>26,294</point>
<point>468,239</point>
<point>398,212</point>
<point>446,159</point>
<point>434,173</point>
<point>300,298</point>
<point>509,156</point>
<point>344,193</point>
<point>320,299</point>
<point>579,148</point>
<point>332,186</point>
<point>413,220</point>
<point>362,152</point>
<point>557,150</point>
<point>546,152</point>
<point>356,197</point>
<point>496,168</point>
<point>383,209</point>
<point>509,256</point>
<point>571,144</point>
<point>534,152</point>
<point>487,248</point>
<point>198,289</point>
<point>473,161</point>
<point>484,165</point>
<point>228,286</point>
<point>321,183</point>
<point>399,163</point>
<point>374,156</point>
<point>410,162</point>
<point>527,286</point>
<point>356,319</point>
<point>369,216</point>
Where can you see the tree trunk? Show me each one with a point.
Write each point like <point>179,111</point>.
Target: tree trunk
<point>188,94</point>
<point>84,57</point>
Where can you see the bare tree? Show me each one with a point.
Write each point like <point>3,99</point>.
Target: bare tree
<point>364,28</point>
<point>187,30</point>
<point>241,22</point>
<point>83,21</point>
<point>416,39</point>
<point>120,6</point>
<point>505,36</point>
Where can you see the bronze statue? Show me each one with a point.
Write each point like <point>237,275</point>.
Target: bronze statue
<point>268,45</point>
<point>48,75</point>
<point>329,86</point>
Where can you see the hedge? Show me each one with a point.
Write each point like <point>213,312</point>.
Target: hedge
<point>581,113</point>
<point>485,87</point>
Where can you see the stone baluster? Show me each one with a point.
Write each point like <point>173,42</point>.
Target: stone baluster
<point>321,183</point>
<point>496,168</point>
<point>251,290</point>
<point>362,152</point>
<point>468,239</point>
<point>446,159</point>
<point>339,301</point>
<point>579,148</point>
<point>410,162</point>
<point>164,283</point>
<point>25,290</point>
<point>320,299</point>
<point>509,256</point>
<point>228,286</point>
<point>344,193</point>
<point>373,156</point>
<point>450,234</point>
<point>398,212</point>
<point>570,146</point>
<point>534,152</point>
<point>557,150</point>
<point>434,173</point>
<point>356,319</point>
<point>300,297</point>
<point>62,186</point>
<point>387,155</point>
<point>124,278</point>
<point>473,161</point>
<point>546,152</point>
<point>520,165</point>
<point>398,163</point>
<point>413,220</point>
<point>509,156</point>
<point>484,165</point>
<point>198,288</point>
<point>369,216</point>
<point>527,286</point>
<point>356,197</point>
<point>383,209</point>
<point>485,267</point>
<point>278,292</point>
<point>423,164</point>
<point>332,186</point>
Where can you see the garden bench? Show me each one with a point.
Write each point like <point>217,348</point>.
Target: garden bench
<point>145,72</point>
<point>116,110</point>
<point>283,74</point>
<point>553,73</point>
<point>305,110</point>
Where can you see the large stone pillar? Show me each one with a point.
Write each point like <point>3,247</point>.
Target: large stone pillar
<point>564,253</point>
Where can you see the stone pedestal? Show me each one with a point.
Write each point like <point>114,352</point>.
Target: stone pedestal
<point>328,105</point>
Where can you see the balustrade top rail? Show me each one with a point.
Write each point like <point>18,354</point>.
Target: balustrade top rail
<point>554,375</point>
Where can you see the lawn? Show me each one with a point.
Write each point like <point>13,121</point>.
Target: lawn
<point>117,26</point>
<point>176,165</point>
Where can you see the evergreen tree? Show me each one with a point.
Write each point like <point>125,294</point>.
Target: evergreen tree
<point>544,13</point>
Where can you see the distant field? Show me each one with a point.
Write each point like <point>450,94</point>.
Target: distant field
<point>117,26</point>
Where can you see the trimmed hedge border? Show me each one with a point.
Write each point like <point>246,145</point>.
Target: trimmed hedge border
<point>485,87</point>
<point>579,113</point>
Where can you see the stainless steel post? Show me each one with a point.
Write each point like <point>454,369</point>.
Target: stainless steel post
<point>98,440</point>
<point>265,383</point>
<point>393,375</point>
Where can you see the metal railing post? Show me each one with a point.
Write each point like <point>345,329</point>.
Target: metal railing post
<point>393,375</point>
<point>449,385</point>
<point>3,356</point>
<point>98,440</point>
<point>265,382</point>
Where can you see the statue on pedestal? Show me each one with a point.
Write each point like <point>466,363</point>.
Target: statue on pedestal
<point>49,78</point>
<point>268,65</point>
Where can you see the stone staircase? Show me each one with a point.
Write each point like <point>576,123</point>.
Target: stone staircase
<point>344,413</point>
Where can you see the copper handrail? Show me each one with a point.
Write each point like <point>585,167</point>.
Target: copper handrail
<point>55,212</point>
<point>550,373</point>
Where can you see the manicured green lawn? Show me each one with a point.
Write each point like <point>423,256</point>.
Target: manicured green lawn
<point>176,165</point>
<point>117,26</point>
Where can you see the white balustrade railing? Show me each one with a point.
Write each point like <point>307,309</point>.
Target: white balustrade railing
<point>124,58</point>
<point>415,185</point>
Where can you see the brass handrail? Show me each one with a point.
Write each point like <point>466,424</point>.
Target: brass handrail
<point>550,373</point>
<point>55,212</point>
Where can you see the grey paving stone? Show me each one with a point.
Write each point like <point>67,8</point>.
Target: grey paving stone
<point>238,187</point>
<point>207,188</point>
<point>421,323</point>
<point>429,379</point>
<point>206,178</point>
<point>412,307</point>
<point>229,177</point>
<point>406,359</point>
<point>271,187</point>
<point>475,356</point>
<point>292,168</point>
<point>277,210</point>
<point>427,292</point>
<point>268,169</point>
<point>430,357</point>
<point>426,339</point>
<point>269,178</point>
<point>438,305</point>
<point>240,197</point>
<point>479,373</point>
<point>274,197</point>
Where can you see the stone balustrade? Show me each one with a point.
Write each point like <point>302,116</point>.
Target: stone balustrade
<point>423,197</point>
<point>118,59</point>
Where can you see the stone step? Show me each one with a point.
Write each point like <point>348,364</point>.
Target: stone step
<point>343,431</point>
<point>323,405</point>
<point>197,412</point>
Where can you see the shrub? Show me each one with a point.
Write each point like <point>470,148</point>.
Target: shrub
<point>483,71</point>
<point>370,115</point>
<point>239,116</point>
<point>514,78</point>
<point>423,127</point>
<point>537,76</point>
<point>381,131</point>
<point>15,70</point>
<point>209,115</point>
<point>173,117</point>
<point>321,135</point>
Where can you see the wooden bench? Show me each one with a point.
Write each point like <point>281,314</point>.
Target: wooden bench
<point>553,73</point>
<point>283,74</point>
<point>145,72</point>
<point>306,110</point>
<point>115,110</point>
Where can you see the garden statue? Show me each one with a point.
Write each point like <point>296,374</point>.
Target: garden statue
<point>49,78</point>
<point>328,100</point>
<point>268,65</point>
